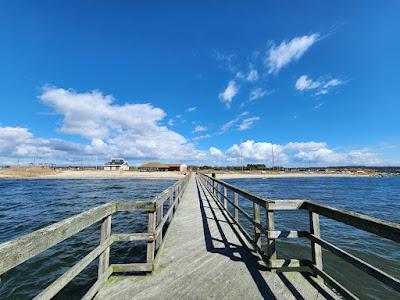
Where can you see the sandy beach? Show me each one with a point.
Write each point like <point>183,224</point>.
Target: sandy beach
<point>101,174</point>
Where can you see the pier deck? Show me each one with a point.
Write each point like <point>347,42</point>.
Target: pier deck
<point>205,256</point>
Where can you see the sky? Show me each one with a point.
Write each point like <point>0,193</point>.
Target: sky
<point>290,83</point>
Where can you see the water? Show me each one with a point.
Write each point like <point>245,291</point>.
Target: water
<point>377,197</point>
<point>27,205</point>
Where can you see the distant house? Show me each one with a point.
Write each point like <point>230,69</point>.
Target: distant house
<point>116,164</point>
<point>157,166</point>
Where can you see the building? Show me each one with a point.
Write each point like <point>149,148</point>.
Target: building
<point>116,164</point>
<point>157,166</point>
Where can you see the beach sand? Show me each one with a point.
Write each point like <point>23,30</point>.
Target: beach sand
<point>98,174</point>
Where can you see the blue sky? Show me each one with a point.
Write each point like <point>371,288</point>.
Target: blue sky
<point>317,82</point>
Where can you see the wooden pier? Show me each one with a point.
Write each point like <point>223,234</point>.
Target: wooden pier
<point>197,248</point>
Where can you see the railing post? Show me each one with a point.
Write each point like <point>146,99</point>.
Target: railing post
<point>225,198</point>
<point>159,216</point>
<point>219,192</point>
<point>316,250</point>
<point>256,219</point>
<point>104,259</point>
<point>151,227</point>
<point>171,200</point>
<point>271,248</point>
<point>235,210</point>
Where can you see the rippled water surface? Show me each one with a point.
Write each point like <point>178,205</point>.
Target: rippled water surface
<point>377,197</point>
<point>27,205</point>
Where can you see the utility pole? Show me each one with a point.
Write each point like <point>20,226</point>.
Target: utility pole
<point>273,158</point>
<point>241,155</point>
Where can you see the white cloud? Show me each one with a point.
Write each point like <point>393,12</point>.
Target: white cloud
<point>191,109</point>
<point>128,130</point>
<point>247,123</point>
<point>281,55</point>
<point>201,137</point>
<point>216,152</point>
<point>199,128</point>
<point>232,122</point>
<point>171,122</point>
<point>298,153</point>
<point>252,75</point>
<point>320,86</point>
<point>257,94</point>
<point>227,95</point>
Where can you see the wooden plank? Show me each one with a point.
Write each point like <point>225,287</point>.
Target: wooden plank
<point>316,251</point>
<point>332,282</point>
<point>249,196</point>
<point>69,275</point>
<point>104,259</point>
<point>136,206</point>
<point>15,252</point>
<point>130,237</point>
<point>285,204</point>
<point>287,263</point>
<point>134,267</point>
<point>235,207</point>
<point>287,234</point>
<point>256,219</point>
<point>151,226</point>
<point>225,198</point>
<point>271,245</point>
<point>386,229</point>
<point>97,286</point>
<point>359,263</point>
<point>159,217</point>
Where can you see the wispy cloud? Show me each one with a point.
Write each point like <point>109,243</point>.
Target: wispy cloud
<point>199,128</point>
<point>252,75</point>
<point>230,91</point>
<point>191,109</point>
<point>247,123</point>
<point>201,137</point>
<point>171,122</point>
<point>288,51</point>
<point>320,86</point>
<point>232,122</point>
<point>257,94</point>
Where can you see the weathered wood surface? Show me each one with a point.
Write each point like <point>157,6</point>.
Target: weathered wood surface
<point>205,256</point>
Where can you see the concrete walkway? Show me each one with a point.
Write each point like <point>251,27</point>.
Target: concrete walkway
<point>206,257</point>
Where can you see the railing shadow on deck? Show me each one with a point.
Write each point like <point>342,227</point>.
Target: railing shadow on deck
<point>252,261</point>
<point>386,229</point>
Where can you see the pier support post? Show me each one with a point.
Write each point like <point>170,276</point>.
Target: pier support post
<point>104,259</point>
<point>316,250</point>
<point>170,202</point>
<point>225,198</point>
<point>256,219</point>
<point>235,210</point>
<point>151,227</point>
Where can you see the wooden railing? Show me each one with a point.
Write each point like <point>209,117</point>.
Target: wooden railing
<point>389,230</point>
<point>19,250</point>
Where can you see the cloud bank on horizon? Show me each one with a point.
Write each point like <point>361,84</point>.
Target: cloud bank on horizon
<point>136,132</point>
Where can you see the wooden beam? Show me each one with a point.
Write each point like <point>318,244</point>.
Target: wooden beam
<point>17,251</point>
<point>235,205</point>
<point>104,259</point>
<point>135,206</point>
<point>129,237</point>
<point>316,251</point>
<point>69,275</point>
<point>151,226</point>
<point>287,234</point>
<point>256,219</point>
<point>386,229</point>
<point>135,267</point>
<point>359,263</point>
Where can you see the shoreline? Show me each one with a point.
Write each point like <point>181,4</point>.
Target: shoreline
<point>101,174</point>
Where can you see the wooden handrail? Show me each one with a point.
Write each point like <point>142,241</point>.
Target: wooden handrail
<point>19,250</point>
<point>386,229</point>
